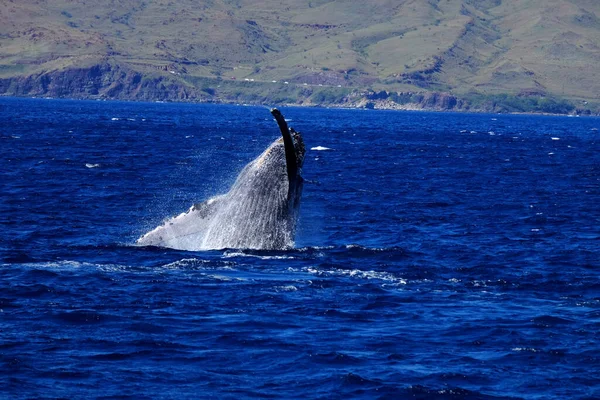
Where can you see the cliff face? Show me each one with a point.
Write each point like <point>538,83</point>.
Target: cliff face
<point>441,101</point>
<point>104,81</point>
<point>110,81</point>
<point>436,101</point>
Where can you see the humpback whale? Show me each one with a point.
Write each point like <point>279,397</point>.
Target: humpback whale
<point>259,211</point>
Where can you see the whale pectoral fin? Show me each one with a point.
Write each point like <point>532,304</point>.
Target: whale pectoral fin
<point>288,142</point>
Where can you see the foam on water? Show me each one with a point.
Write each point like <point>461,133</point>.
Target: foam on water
<point>358,274</point>
<point>234,254</point>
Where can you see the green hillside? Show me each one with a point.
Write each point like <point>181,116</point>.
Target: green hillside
<point>326,51</point>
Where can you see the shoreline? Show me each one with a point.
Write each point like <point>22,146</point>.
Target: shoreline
<point>410,107</point>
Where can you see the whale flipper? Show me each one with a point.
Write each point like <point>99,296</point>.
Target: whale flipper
<point>288,142</point>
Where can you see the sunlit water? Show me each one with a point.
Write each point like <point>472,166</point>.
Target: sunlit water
<point>444,256</point>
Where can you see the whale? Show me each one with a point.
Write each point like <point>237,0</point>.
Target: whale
<point>260,210</point>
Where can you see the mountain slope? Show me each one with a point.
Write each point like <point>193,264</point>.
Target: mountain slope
<point>140,47</point>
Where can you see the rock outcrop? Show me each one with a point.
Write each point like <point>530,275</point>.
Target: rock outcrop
<point>104,81</point>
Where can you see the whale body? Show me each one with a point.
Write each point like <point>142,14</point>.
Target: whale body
<point>260,211</point>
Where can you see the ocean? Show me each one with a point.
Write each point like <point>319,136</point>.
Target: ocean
<point>438,256</point>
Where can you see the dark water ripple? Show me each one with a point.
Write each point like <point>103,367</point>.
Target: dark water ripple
<point>439,256</point>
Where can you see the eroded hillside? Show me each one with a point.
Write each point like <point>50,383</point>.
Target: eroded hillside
<point>181,49</point>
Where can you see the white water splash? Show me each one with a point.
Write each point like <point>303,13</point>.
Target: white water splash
<point>258,212</point>
<point>359,274</point>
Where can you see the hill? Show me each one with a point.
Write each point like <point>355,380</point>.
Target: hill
<point>468,52</point>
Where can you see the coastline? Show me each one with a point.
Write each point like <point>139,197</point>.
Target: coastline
<point>413,107</point>
<point>114,82</point>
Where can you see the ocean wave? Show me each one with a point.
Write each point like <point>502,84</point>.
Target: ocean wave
<point>357,274</point>
<point>422,392</point>
<point>287,288</point>
<point>417,273</point>
<point>196,263</point>
<point>81,316</point>
<point>235,254</point>
<point>72,265</point>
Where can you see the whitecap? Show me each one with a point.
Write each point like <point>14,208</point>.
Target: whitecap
<point>88,165</point>
<point>358,246</point>
<point>58,264</point>
<point>231,254</point>
<point>555,138</point>
<point>72,265</point>
<point>315,248</point>
<point>288,288</point>
<point>115,119</point>
<point>528,349</point>
<point>320,148</point>
<point>360,274</point>
<point>184,263</point>
<point>479,283</point>
<point>223,278</point>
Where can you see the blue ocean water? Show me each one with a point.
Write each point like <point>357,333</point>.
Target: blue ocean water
<point>438,256</point>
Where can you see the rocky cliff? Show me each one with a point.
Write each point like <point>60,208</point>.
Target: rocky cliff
<point>102,81</point>
<point>110,81</point>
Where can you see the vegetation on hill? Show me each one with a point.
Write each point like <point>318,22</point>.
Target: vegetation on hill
<point>510,56</point>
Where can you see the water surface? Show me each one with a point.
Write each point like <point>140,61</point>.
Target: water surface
<point>444,256</point>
